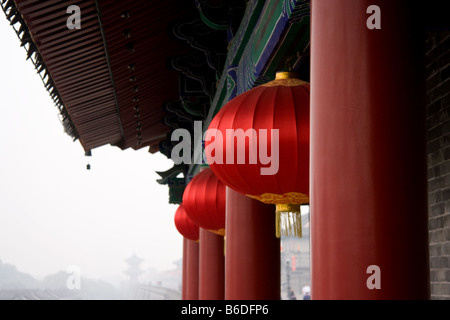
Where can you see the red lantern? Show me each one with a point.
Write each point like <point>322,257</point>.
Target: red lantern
<point>185,225</point>
<point>272,119</point>
<point>204,201</point>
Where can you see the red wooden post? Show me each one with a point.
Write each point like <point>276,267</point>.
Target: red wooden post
<point>369,235</point>
<point>184,276</point>
<point>212,266</point>
<point>192,270</point>
<point>252,260</point>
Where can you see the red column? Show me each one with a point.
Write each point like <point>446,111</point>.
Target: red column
<point>192,270</point>
<point>252,260</point>
<point>184,277</point>
<point>212,266</point>
<point>368,161</point>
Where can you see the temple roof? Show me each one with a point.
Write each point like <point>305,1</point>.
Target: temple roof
<point>109,78</point>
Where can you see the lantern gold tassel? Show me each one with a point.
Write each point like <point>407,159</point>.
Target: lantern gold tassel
<point>288,220</point>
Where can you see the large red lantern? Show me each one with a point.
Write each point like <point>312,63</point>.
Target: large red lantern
<point>185,225</point>
<point>258,145</point>
<point>204,201</point>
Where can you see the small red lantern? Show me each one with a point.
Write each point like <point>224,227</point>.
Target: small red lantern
<point>270,119</point>
<point>185,225</point>
<point>204,201</point>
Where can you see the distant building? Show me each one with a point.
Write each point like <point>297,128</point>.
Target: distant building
<point>134,270</point>
<point>295,262</point>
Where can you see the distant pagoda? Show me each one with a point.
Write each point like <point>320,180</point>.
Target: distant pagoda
<point>134,270</point>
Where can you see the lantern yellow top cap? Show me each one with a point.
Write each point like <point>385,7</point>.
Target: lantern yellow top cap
<point>288,79</point>
<point>286,75</point>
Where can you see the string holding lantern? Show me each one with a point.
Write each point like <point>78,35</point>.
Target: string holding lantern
<point>185,226</point>
<point>204,201</point>
<point>241,127</point>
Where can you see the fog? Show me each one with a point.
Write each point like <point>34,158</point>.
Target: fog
<point>55,214</point>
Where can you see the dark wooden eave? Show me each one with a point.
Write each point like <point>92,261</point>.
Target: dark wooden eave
<point>108,78</point>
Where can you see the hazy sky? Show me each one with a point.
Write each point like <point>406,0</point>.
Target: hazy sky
<point>53,212</point>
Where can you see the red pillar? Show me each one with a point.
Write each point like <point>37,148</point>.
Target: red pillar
<point>192,270</point>
<point>212,266</point>
<point>368,161</point>
<point>183,276</point>
<point>252,260</point>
